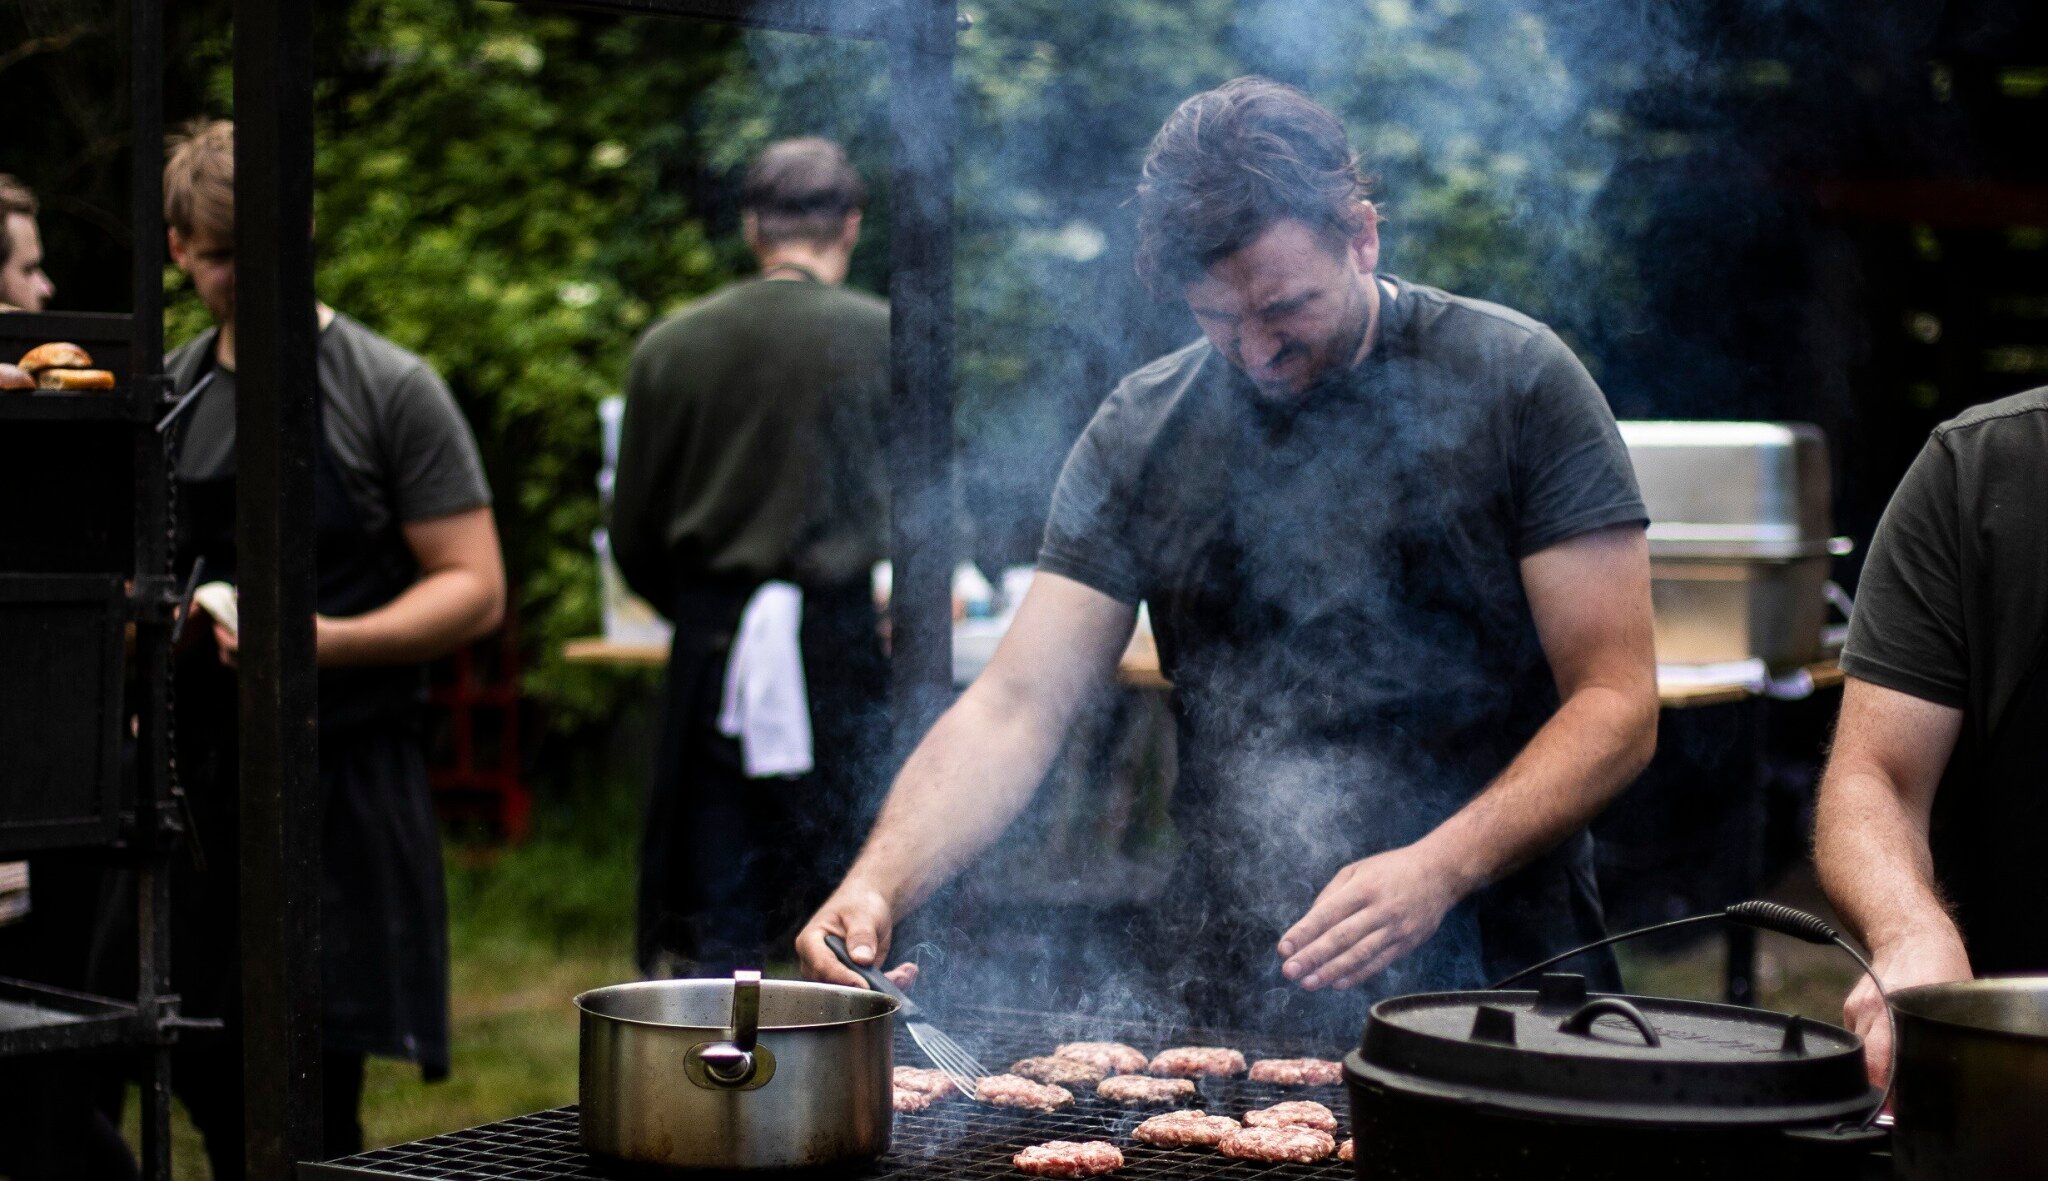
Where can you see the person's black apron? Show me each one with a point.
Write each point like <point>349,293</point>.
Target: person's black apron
<point>728,864</point>
<point>1300,751</point>
<point>1989,825</point>
<point>384,952</point>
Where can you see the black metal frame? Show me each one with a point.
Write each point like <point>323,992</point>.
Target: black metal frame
<point>146,829</point>
<point>274,424</point>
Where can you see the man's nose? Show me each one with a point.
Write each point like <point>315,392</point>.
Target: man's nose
<point>1258,347</point>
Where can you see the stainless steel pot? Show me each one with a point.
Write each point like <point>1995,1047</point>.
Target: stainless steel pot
<point>1972,1080</point>
<point>735,1074</point>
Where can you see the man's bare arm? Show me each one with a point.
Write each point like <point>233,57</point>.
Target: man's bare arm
<point>1871,848</point>
<point>1591,600</point>
<point>976,769</point>
<point>459,597</point>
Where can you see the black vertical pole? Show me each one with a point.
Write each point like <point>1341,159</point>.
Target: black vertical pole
<point>152,559</point>
<point>921,118</point>
<point>275,419</point>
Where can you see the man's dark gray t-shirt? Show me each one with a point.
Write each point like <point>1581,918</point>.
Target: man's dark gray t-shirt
<point>1337,593</point>
<point>401,445</point>
<point>1952,608</point>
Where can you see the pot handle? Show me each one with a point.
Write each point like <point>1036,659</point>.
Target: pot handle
<point>741,1062</point>
<point>1581,1022</point>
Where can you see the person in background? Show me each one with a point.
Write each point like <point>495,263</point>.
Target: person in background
<point>23,285</point>
<point>1933,811</point>
<point>751,506</point>
<point>1395,560</point>
<point>408,569</point>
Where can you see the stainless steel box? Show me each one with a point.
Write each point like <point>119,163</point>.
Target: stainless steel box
<point>1740,525</point>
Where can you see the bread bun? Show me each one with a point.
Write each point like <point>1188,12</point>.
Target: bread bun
<point>74,379</point>
<point>56,355</point>
<point>13,378</point>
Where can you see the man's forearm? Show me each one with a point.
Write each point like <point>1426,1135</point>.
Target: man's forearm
<point>959,790</point>
<point>1599,740</point>
<point>436,615</point>
<point>1873,858</point>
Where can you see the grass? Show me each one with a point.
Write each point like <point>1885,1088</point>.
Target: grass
<point>529,927</point>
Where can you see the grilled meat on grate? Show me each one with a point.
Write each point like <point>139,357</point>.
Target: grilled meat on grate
<point>1061,1072</point>
<point>1137,1090</point>
<point>1278,1145</point>
<point>1008,1090</point>
<point>909,1100</point>
<point>1112,1057</point>
<point>1348,1150</point>
<point>918,1078</point>
<point>1297,1072</point>
<point>1185,1129</point>
<point>1298,1113</point>
<point>1196,1062</point>
<point>1070,1158</point>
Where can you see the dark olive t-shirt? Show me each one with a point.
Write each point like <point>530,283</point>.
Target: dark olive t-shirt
<point>752,442</point>
<point>1337,592</point>
<point>1952,608</point>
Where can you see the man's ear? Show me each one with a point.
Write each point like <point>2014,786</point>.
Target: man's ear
<point>1365,244</point>
<point>750,231</point>
<point>177,243</point>
<point>849,234</point>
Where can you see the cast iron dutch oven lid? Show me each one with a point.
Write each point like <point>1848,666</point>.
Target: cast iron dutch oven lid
<point>1559,1053</point>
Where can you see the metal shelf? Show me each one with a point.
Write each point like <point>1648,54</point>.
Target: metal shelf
<point>115,405</point>
<point>36,1019</point>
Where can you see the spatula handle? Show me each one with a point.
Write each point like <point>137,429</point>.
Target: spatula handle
<point>875,979</point>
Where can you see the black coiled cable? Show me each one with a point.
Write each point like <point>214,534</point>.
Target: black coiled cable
<point>1768,916</point>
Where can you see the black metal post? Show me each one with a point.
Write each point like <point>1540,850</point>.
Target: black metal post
<point>921,461</point>
<point>154,826</point>
<point>275,420</point>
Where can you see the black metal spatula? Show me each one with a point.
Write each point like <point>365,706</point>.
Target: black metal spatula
<point>945,1053</point>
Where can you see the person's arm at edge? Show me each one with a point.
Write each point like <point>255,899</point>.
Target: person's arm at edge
<point>1870,847</point>
<point>636,526</point>
<point>975,770</point>
<point>1590,596</point>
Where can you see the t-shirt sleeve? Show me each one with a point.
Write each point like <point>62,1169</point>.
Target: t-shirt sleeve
<point>1087,537</point>
<point>1572,472</point>
<point>1907,630</point>
<point>435,468</point>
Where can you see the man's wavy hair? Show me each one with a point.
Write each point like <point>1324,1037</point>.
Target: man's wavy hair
<point>802,190</point>
<point>1230,162</point>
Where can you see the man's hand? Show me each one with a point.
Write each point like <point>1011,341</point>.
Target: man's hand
<point>862,917</point>
<point>1372,913</point>
<point>1935,956</point>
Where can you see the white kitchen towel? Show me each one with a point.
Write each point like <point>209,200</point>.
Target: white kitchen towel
<point>766,704</point>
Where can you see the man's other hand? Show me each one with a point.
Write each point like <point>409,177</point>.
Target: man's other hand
<point>861,916</point>
<point>1372,913</point>
<point>1931,957</point>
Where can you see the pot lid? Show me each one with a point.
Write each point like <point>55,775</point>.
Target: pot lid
<point>1561,1052</point>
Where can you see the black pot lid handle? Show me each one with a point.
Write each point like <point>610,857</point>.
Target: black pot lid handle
<point>1581,1022</point>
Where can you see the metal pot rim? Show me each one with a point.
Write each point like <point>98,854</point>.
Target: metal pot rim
<point>888,1009</point>
<point>1903,998</point>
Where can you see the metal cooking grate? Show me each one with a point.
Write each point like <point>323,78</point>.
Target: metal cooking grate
<point>956,1139</point>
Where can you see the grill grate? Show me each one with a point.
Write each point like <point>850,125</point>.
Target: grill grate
<point>956,1139</point>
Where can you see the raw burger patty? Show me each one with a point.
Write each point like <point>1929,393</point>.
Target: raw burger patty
<point>1277,1145</point>
<point>1063,1072</point>
<point>1136,1090</point>
<point>1196,1061</point>
<point>1070,1158</point>
<point>1298,1072</point>
<point>1298,1113</point>
<point>1184,1129</point>
<point>1348,1150</point>
<point>929,1082</point>
<point>909,1100</point>
<point>1008,1090</point>
<point>1111,1057</point>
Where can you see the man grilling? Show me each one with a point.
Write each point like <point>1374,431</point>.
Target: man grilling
<point>1395,559</point>
<point>1931,815</point>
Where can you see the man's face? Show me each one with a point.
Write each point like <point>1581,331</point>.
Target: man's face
<point>207,255</point>
<point>22,281</point>
<point>1289,307</point>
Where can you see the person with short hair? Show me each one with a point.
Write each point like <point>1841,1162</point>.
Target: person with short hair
<point>24,287</point>
<point>751,496</point>
<point>1933,810</point>
<point>1395,561</point>
<point>408,569</point>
